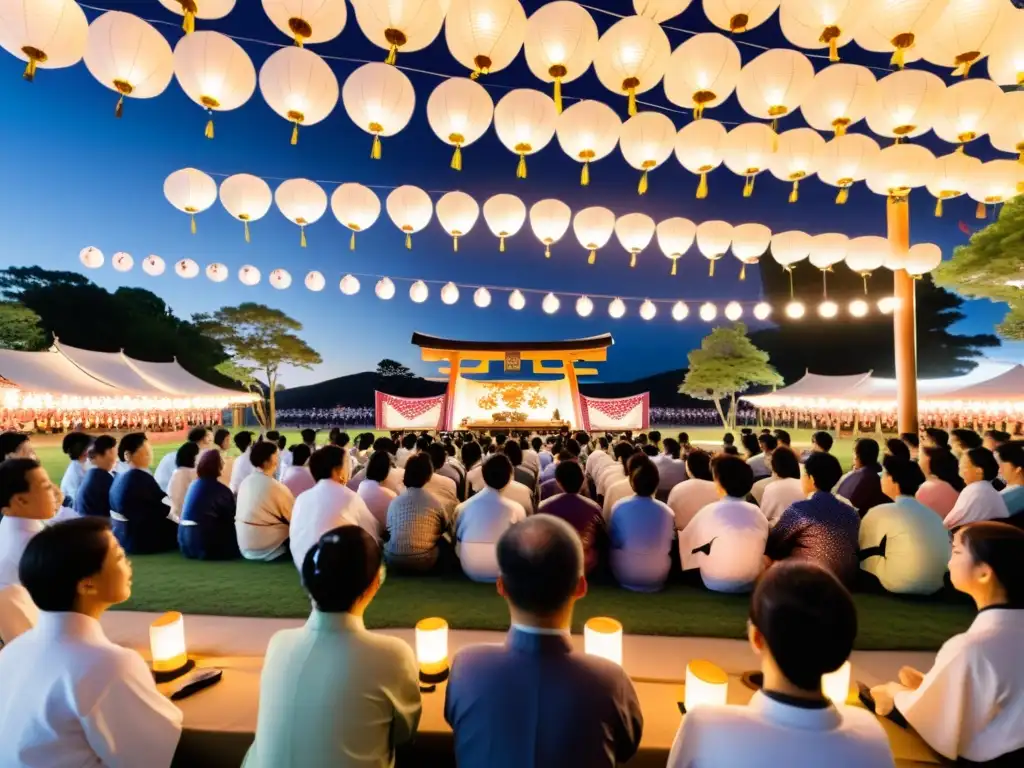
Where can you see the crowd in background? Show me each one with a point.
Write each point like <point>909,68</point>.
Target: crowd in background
<point>338,416</point>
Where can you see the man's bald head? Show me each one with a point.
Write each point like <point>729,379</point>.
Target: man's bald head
<point>541,563</point>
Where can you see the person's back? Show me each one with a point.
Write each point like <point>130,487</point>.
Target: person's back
<point>263,511</point>
<point>640,532</point>
<point>207,527</point>
<point>141,521</point>
<point>583,514</point>
<point>416,520</point>
<point>93,497</point>
<point>690,497</point>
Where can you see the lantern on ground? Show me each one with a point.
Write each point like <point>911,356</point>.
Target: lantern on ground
<point>450,293</point>
<point>747,150</point>
<point>713,240</point>
<point>549,220</point>
<point>410,209</point>
<point>922,259</point>
<point>215,72</point>
<point>188,269</point>
<point>737,16</point>
<point>198,9</point>
<point>660,10</point>
<point>839,97</point>
<point>632,57</point>
<point>774,84</point>
<point>584,306</point>
<point>379,99</point>
<point>675,236</point>
<point>896,26</point>
<point>749,243</point>
<point>248,275</point>
<point>1007,134</point>
<point>646,142</point>
<point>788,249</point>
<point>560,43</point>
<point>588,131</point>
<point>680,311</point>
<point>315,281</point>
<point>505,216</point>
<point>844,161</point>
<point>954,175</point>
<point>905,104</point>
<point>47,34</point>
<point>516,300</point>
<point>964,33</point>
<point>385,289</point>
<point>122,262</point>
<point>419,292</point>
<point>593,228</point>
<point>128,56</point>
<point>700,148</point>
<point>167,647</point>
<point>525,122</point>
<point>217,272</point>
<point>302,202</point>
<point>307,22</point>
<point>91,258</point>
<point>356,207</point>
<point>457,213</point>
<point>1006,58</point>
<point>616,309</point>
<point>153,266</point>
<point>482,298</point>
<point>400,25</point>
<point>866,254</point>
<point>796,157</point>
<point>898,169</point>
<point>817,24</point>
<point>702,72</point>
<point>299,86</point>
<point>550,304</point>
<point>634,231</point>
<point>966,111</point>
<point>485,35</point>
<point>997,182</point>
<point>190,191</point>
<point>280,279</point>
<point>459,112</point>
<point>246,197</point>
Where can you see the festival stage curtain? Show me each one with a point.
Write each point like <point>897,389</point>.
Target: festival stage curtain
<point>619,414</point>
<point>394,412</point>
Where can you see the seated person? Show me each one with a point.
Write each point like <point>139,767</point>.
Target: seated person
<point>393,481</point>
<point>416,520</point>
<point>963,440</point>
<point>904,544</point>
<point>898,448</point>
<point>70,697</point>
<point>184,474</point>
<point>297,478</point>
<point>936,438</point>
<point>332,693</point>
<point>285,457</point>
<point>443,488</point>
<point>549,488</point>
<point>76,447</point>
<point>521,473</point>
<point>206,530</point>
<point>375,496</point>
<point>785,486</point>
<point>753,449</point>
<point>862,486</point>
<point>623,489</point>
<point>570,709</point>
<point>137,504</point>
<point>523,494</point>
<point>640,533</point>
<point>802,624</point>
<point>450,468</point>
<point>970,705</point>
<point>690,497</point>
<point>768,444</point>
<point>93,497</point>
<point>263,512</point>
<point>979,500</point>
<point>1011,467</point>
<point>671,468</point>
<point>222,444</point>
<point>614,471</point>
<point>942,483</point>
<point>472,456</point>
<point>726,539</point>
<point>820,528</point>
<point>241,467</point>
<point>480,521</point>
<point>201,437</point>
<point>16,445</point>
<point>821,442</point>
<point>583,514</point>
<point>913,443</point>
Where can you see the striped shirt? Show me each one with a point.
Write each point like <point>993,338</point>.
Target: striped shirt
<point>416,520</point>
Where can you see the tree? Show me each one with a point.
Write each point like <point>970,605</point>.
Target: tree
<point>19,327</point>
<point>726,364</point>
<point>388,367</point>
<point>246,376</point>
<point>260,340</point>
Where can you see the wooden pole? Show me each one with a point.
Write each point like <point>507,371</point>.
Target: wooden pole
<point>454,362</point>
<point>904,318</point>
<point>574,391</point>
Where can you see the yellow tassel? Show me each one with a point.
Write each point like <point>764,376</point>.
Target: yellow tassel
<point>897,59</point>
<point>457,159</point>
<point>980,211</point>
<point>455,243</point>
<point>193,223</point>
<point>840,129</point>
<point>521,168</point>
<point>558,95</point>
<point>698,111</point>
<point>408,240</point>
<point>1020,157</point>
<point>632,260</point>
<point>748,188</point>
<point>632,102</point>
<point>295,134</point>
<point>209,128</point>
<point>352,241</point>
<point>475,74</point>
<point>642,188</point>
<point>30,70</point>
<point>501,244</point>
<point>119,109</point>
<point>302,237</point>
<point>963,70</point>
<point>938,207</point>
<point>711,269</point>
<point>833,50</point>
<point>248,239</point>
<point>795,194</point>
<point>392,55</point>
<point>592,258</point>
<point>843,196</point>
<point>547,250</point>
<point>743,271</point>
<point>585,173</point>
<point>675,263</point>
<point>189,25</point>
<point>702,188</point>
<point>298,41</point>
<point>375,149</point>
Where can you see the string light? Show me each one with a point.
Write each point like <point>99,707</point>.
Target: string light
<point>680,311</point>
<point>795,310</point>
<point>648,310</point>
<point>516,300</point>
<point>708,312</point>
<point>419,292</point>
<point>858,308</point>
<point>584,306</point>
<point>550,304</point>
<point>763,310</point>
<point>888,305</point>
<point>350,285</point>
<point>450,293</point>
<point>482,298</point>
<point>385,289</point>
<point>617,309</point>
<point>733,311</point>
<point>828,309</point>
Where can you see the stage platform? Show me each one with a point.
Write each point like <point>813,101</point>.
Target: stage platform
<point>518,426</point>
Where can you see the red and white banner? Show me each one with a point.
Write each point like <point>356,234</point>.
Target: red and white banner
<point>619,414</point>
<point>394,412</point>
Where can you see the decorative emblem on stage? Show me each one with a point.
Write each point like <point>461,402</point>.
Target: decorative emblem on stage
<point>514,395</point>
<point>513,361</point>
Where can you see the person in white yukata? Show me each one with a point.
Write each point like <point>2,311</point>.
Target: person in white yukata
<point>70,697</point>
<point>970,705</point>
<point>75,446</point>
<point>979,500</point>
<point>201,436</point>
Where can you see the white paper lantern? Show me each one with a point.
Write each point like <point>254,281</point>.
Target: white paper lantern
<point>817,24</point>
<point>702,72</point>
<point>525,123</point>
<point>299,86</point>
<point>505,215</point>
<point>550,220</point>
<point>217,272</point>
<point>997,182</point>
<point>214,71</point>
<point>762,310</point>
<point>796,157</point>
<point>457,213</point>
<point>400,25</point>
<point>584,306</point>
<point>660,10</point>
<point>410,209</point>
<point>280,279</point>
<point>955,173</point>
<point>898,169</point>
<point>246,197</point>
<point>964,33</point>
<point>905,104</point>
<point>450,293</point>
<point>128,56</point>
<point>774,84</point>
<point>1007,132</point>
<point>385,289</point>
<point>307,22</point>
<point>122,262</point>
<point>738,16</point>
<point>516,300</point>
<point>560,44</point>
<point>896,26</point>
<point>675,236</point>
<point>349,285</point>
<point>47,34</point>
<point>588,131</point>
<point>713,240</point>
<point>91,258</point>
<point>485,35</point>
<point>795,310</point>
<point>482,298</point>
<point>922,259</point>
<point>828,250</point>
<point>789,248</point>
<point>646,142</point>
<point>839,97</point>
<point>315,281</point>
<point>593,228</point>
<point>550,304</point>
<point>635,232</point>
<point>844,161</point>
<point>700,148</point>
<point>1006,57</point>
<point>153,266</point>
<point>680,311</point>
<point>419,292</point>
<point>749,244</point>
<point>190,191</point>
<point>616,309</point>
<point>966,110</point>
<point>186,268</point>
<point>459,111</point>
<point>858,308</point>
<point>866,254</point>
<point>198,9</point>
<point>733,311</point>
<point>356,207</point>
<point>302,202</point>
<point>708,312</point>
<point>648,310</point>
<point>248,275</point>
<point>748,150</point>
<point>379,99</point>
<point>632,57</point>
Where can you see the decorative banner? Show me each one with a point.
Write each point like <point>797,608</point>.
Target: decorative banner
<point>618,414</point>
<point>395,412</point>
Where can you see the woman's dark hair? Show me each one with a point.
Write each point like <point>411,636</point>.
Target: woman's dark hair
<point>911,439</point>
<point>866,451</point>
<point>497,471</point>
<point>14,478</point>
<point>210,465</point>
<point>968,438</point>
<point>513,451</point>
<point>340,567</point>
<point>384,444</point>
<point>897,448</point>
<point>261,453</point>
<point>365,441</point>
<point>186,455</point>
<point>938,436</point>
<point>325,460</point>
<point>1001,547</point>
<point>569,475</point>
<point>698,465</point>
<point>824,469</point>
<point>379,466</point>
<point>220,436</point>
<point>823,440</point>
<point>60,556</point>
<point>243,440</point>
<point>785,463</point>
<point>983,459</point>
<point>101,445</point>
<point>282,441</point>
<point>438,455</point>
<point>783,436</point>
<point>130,443</point>
<point>671,446</point>
<point>10,442</point>
<point>644,477</point>
<point>728,439</point>
<point>733,474</point>
<point>308,436</point>
<point>300,454</point>
<point>943,465</point>
<point>1012,452</point>
<point>623,451</point>
<point>471,453</point>
<point>750,444</point>
<point>75,444</point>
<point>418,470</point>
<point>197,434</point>
<point>904,472</point>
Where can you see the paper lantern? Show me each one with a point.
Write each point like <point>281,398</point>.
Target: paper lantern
<point>459,112</point>
<point>280,279</point>
<point>349,285</point>
<point>713,240</point>
<point>385,289</point>
<point>817,24</point>
<point>845,160</point>
<point>549,220</point>
<point>128,56</point>
<point>747,151</point>
<point>584,306</point>
<point>774,84</point>
<point>214,71</point>
<point>648,310</point>
<point>828,250</point>
<point>457,213</point>
<point>858,308</point>
<point>660,10</point>
<point>702,72</point>
<point>680,311</point>
<point>315,281</point>
<point>789,248</point>
<point>299,86</point>
<point>419,292</point>
<point>400,25</point>
<point>733,311</point>
<point>91,258</point>
<point>866,254</point>
<point>634,231</point>
<point>167,647</point>
<point>646,142</point>
<point>550,304</point>
<point>675,236</point>
<point>198,9</point>
<point>356,207</point>
<point>796,157</point>
<point>482,298</point>
<point>191,192</point>
<point>997,182</point>
<point>122,262</point>
<point>700,148</point>
<point>922,259</point>
<point>749,244</point>
<point>47,34</point>
<point>307,22</point>
<point>896,26</point>
<point>505,216</point>
<point>1006,57</point>
<point>900,168</point>
<point>828,309</point>
<point>795,310</point>
<point>186,268</point>
<point>588,131</point>
<point>249,275</point>
<point>632,57</point>
<point>525,123</point>
<point>839,97</point>
<point>964,33</point>
<point>905,104</point>
<point>738,16</point>
<point>217,272</point>
<point>708,312</point>
<point>966,110</point>
<point>616,309</point>
<point>560,43</point>
<point>245,197</point>
<point>593,227</point>
<point>954,175</point>
<point>836,685</point>
<point>516,300</point>
<point>432,649</point>
<point>485,35</point>
<point>379,99</point>
<point>410,209</point>
<point>450,293</point>
<point>153,266</point>
<point>302,202</point>
<point>1007,132</point>
<point>762,310</point>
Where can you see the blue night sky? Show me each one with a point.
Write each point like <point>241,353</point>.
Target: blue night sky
<point>75,176</point>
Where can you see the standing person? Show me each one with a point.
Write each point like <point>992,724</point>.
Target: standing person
<point>416,520</point>
<point>979,500</point>
<point>137,504</point>
<point>76,447</point>
<point>786,486</point>
<point>263,512</point>
<point>862,487</point>
<point>206,530</point>
<point>200,436</point>
<point>297,478</point>
<point>583,514</point>
<point>1011,466</point>
<point>242,467</point>
<point>93,497</point>
<point>689,498</point>
<point>571,709</point>
<point>640,532</point>
<point>480,521</point>
<point>184,474</point>
<point>70,697</point>
<point>332,693</point>
<point>942,484</point>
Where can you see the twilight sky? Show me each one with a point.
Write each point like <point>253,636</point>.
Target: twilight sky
<point>75,176</point>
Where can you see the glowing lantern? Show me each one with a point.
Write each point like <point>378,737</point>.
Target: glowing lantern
<point>191,192</point>
<point>561,41</point>
<point>588,131</point>
<point>153,266</point>
<point>738,16</point>
<point>646,142</point>
<point>997,182</point>
<point>198,9</point>
<point>457,213</point>
<point>248,275</point>
<point>385,289</point>
<point>632,57</point>
<point>91,258</point>
<point>419,292</point>
<point>858,308</point>
<point>828,309</point>
<point>954,175</point>
<point>315,281</point>
<point>905,104</point>
<point>836,685</point>
<point>400,25</point>
<point>187,269</point>
<point>749,243</point>
<point>482,298</point>
<point>680,311</point>
<point>762,310</point>
<point>708,312</point>
<point>1006,58</point>
<point>593,227</point>
<point>410,209</point>
<point>167,646</point>
<point>1007,132</point>
<point>280,279</point>
<point>128,56</point>
<point>796,157</point>
<point>897,25</point>
<point>217,272</point>
<point>844,161</point>
<point>485,35</point>
<point>733,311</point>
<point>379,99</point>
<point>302,202</point>
<point>660,10</point>
<point>713,240</point>
<point>549,220</point>
<point>675,236</point>
<point>450,293</point>
<point>215,72</point>
<point>966,110</point>
<point>900,168</point>
<point>700,148</point>
<point>616,309</point>
<point>307,22</point>
<point>964,33</point>
<point>635,232</point>
<point>922,259</point>
<point>349,285</point>
<point>550,304</point>
<point>839,97</point>
<point>505,216</point>
<point>47,34</point>
<point>702,72</point>
<point>747,150</point>
<point>774,84</point>
<point>584,306</point>
<point>788,249</point>
<point>648,310</point>
<point>245,197</point>
<point>820,23</point>
<point>525,122</point>
<point>356,207</point>
<point>299,86</point>
<point>795,310</point>
<point>516,300</point>
<point>122,262</point>
<point>866,254</point>
<point>459,112</point>
<point>827,251</point>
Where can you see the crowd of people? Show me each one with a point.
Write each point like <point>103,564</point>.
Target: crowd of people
<point>321,418</point>
<point>700,417</point>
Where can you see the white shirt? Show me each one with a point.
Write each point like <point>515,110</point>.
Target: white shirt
<point>285,461</point>
<point>401,456</point>
<point>689,498</point>
<point>978,501</point>
<point>262,516</point>
<point>616,493</point>
<point>971,703</point>
<point>758,490</point>
<point>240,470</point>
<point>778,495</point>
<point>770,734</point>
<point>376,498</point>
<point>298,480</point>
<point>72,479</point>
<point>176,490</point>
<point>479,523</point>
<point>326,506</point>
<point>671,472</point>
<point>72,699</point>
<point>531,461</point>
<point>520,494</point>
<point>730,536</point>
<point>596,461</point>
<point>15,533</point>
<point>759,464</point>
<point>475,477</point>
<point>609,475</point>
<point>165,469</point>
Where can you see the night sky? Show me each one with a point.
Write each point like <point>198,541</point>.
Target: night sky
<point>75,176</point>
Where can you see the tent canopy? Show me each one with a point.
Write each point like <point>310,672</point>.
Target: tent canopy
<point>171,377</point>
<point>1006,386</point>
<point>111,368</point>
<point>51,372</point>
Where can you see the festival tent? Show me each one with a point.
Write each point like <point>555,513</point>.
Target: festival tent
<point>1006,387</point>
<point>111,368</point>
<point>50,372</point>
<point>171,377</point>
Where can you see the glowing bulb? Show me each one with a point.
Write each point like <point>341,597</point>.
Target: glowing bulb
<point>617,309</point>
<point>550,304</point>
<point>888,305</point>
<point>680,311</point>
<point>516,300</point>
<point>733,311</point>
<point>482,298</point>
<point>418,292</point>
<point>858,308</point>
<point>708,312</point>
<point>795,310</point>
<point>648,310</point>
<point>584,306</point>
<point>450,293</point>
<point>349,285</point>
<point>828,309</point>
<point>763,310</point>
<point>385,289</point>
